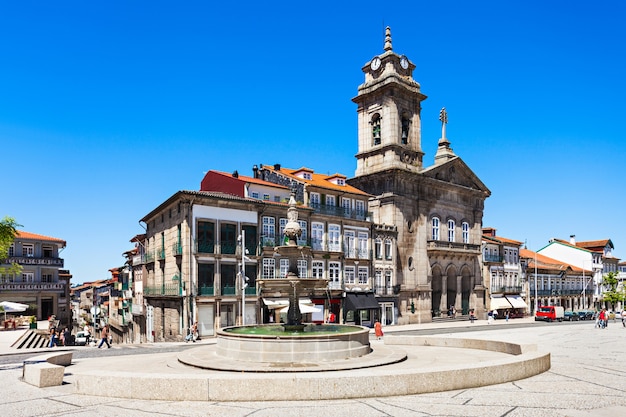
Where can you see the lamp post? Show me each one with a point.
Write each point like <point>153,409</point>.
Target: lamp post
<point>535,283</point>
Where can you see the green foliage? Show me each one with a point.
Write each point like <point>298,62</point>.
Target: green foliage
<point>8,231</point>
<point>611,294</point>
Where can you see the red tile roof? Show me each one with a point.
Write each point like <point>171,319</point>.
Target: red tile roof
<point>317,180</point>
<point>33,236</point>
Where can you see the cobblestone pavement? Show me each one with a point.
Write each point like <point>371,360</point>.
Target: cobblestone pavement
<point>587,378</point>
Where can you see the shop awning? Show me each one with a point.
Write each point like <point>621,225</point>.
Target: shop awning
<point>280,303</point>
<point>361,301</point>
<point>516,301</point>
<point>304,308</point>
<point>500,303</point>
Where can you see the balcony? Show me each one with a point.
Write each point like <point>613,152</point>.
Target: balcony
<point>227,290</point>
<point>492,258</point>
<point>382,290</point>
<point>33,286</point>
<point>270,241</point>
<point>164,290</point>
<point>161,254</point>
<point>148,258</point>
<point>506,289</point>
<point>340,212</point>
<point>557,293</point>
<point>456,247</point>
<point>137,260</point>
<point>250,290</point>
<point>206,290</point>
<point>177,249</point>
<point>205,247</point>
<point>228,248</point>
<point>30,260</point>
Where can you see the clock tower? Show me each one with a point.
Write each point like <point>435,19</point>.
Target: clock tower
<point>389,104</point>
<point>432,214</point>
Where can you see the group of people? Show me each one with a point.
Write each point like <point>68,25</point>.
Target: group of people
<point>602,319</point>
<point>60,337</point>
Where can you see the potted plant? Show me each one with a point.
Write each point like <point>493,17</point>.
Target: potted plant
<point>32,322</point>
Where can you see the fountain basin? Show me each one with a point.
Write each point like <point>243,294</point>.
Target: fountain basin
<point>270,344</point>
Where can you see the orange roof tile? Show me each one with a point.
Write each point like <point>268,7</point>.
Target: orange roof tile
<point>33,236</point>
<point>547,262</point>
<point>318,180</point>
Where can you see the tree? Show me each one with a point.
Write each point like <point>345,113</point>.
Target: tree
<point>8,231</point>
<point>612,294</point>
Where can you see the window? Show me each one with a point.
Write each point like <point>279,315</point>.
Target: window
<point>334,281</point>
<point>269,265</point>
<point>375,122</point>
<point>11,250</point>
<point>284,267</point>
<point>362,245</point>
<point>255,194</point>
<point>451,226</point>
<point>228,238</point>
<point>378,248</point>
<point>314,199</point>
<point>206,279</point>
<point>307,176</point>
<point>206,237</point>
<point>318,269</point>
<point>387,249</point>
<point>330,201</point>
<point>359,207</point>
<point>302,268</point>
<point>28,277</point>
<point>266,197</point>
<point>334,236</point>
<point>303,239</point>
<point>28,250</point>
<point>363,275</point>
<point>317,236</point>
<point>48,252</point>
<point>269,231</point>
<point>435,228</point>
<point>341,181</point>
<point>405,129</point>
<point>345,204</point>
<point>465,229</point>
<point>349,275</point>
<point>277,199</point>
<point>46,278</point>
<point>349,244</point>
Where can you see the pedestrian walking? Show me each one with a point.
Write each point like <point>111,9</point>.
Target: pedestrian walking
<point>472,316</point>
<point>193,333</point>
<point>490,317</point>
<point>53,337</point>
<point>105,337</point>
<point>378,330</point>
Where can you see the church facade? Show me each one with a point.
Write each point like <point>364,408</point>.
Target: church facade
<point>437,209</point>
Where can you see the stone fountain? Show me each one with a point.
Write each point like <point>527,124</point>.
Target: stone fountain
<point>292,342</point>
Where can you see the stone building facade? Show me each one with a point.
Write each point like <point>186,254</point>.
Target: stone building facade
<point>437,210</point>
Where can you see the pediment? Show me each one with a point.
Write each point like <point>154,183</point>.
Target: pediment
<point>455,171</point>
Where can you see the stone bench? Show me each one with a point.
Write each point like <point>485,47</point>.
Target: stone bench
<point>46,370</point>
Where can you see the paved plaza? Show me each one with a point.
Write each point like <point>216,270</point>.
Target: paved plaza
<point>587,378</point>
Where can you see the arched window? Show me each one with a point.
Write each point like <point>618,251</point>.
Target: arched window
<point>378,248</point>
<point>406,122</point>
<point>376,134</point>
<point>435,228</point>
<point>451,226</point>
<point>387,249</point>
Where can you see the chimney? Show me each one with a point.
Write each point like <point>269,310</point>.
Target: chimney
<point>277,167</point>
<point>255,171</point>
<point>235,174</point>
<point>572,240</point>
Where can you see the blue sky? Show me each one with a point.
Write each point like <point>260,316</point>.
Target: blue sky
<point>109,108</point>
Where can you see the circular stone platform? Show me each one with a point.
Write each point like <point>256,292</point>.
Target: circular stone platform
<point>432,364</point>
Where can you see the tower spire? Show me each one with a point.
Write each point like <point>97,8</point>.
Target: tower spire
<point>444,151</point>
<point>388,39</point>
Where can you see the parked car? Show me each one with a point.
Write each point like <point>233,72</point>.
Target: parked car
<point>585,315</point>
<point>81,339</point>
<point>550,313</point>
<point>571,316</point>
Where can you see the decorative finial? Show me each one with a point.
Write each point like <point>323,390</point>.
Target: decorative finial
<point>443,116</point>
<point>388,39</point>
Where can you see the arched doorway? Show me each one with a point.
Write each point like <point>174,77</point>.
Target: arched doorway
<point>466,289</point>
<point>451,287</point>
<point>436,288</point>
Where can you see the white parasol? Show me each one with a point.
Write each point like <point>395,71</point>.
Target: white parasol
<point>11,307</point>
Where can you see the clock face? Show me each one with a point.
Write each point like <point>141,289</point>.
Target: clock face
<point>375,64</point>
<point>404,62</point>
